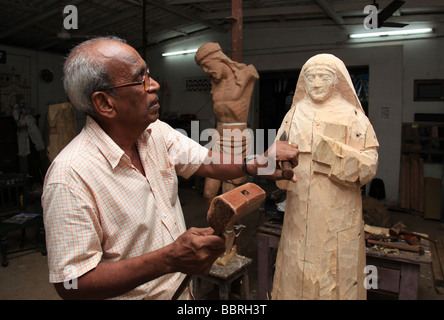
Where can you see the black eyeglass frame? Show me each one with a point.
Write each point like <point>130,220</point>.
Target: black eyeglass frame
<point>144,82</point>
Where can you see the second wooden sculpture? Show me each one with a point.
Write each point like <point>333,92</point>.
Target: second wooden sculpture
<point>232,85</point>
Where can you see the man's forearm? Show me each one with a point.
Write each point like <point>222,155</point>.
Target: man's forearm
<point>226,167</point>
<point>111,279</point>
<point>221,166</point>
<point>193,252</point>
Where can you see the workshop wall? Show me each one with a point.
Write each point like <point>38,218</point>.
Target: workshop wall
<point>393,66</point>
<point>173,71</point>
<point>28,65</point>
<point>423,59</point>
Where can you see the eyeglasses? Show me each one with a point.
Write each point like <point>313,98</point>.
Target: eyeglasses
<point>145,81</point>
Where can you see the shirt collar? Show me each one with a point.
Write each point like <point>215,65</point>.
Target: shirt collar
<point>111,151</point>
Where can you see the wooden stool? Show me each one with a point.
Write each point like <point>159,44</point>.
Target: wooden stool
<point>224,276</point>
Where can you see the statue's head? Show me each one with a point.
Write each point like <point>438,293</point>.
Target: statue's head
<point>206,50</point>
<point>324,76</point>
<point>213,60</point>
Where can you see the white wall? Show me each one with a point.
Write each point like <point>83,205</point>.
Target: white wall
<point>392,65</point>
<point>28,64</point>
<point>423,59</point>
<point>174,69</point>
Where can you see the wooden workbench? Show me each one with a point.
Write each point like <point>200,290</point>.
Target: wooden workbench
<point>398,271</point>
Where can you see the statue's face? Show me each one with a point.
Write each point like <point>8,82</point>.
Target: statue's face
<point>215,68</point>
<point>212,67</point>
<point>320,83</point>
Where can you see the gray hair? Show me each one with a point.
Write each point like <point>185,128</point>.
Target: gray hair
<point>83,75</point>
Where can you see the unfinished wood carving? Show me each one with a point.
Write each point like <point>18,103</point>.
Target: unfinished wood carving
<point>62,128</point>
<point>232,85</point>
<point>322,252</point>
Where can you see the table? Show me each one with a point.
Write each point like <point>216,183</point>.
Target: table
<point>6,228</point>
<point>267,239</point>
<point>224,276</point>
<point>398,274</point>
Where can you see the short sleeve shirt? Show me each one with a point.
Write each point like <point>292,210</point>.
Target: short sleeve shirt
<point>99,208</point>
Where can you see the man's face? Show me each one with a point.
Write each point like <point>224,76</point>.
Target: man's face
<point>133,104</point>
<point>320,83</point>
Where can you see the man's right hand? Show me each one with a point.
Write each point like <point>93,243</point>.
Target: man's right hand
<point>195,251</point>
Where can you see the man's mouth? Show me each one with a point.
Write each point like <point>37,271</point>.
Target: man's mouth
<point>154,106</point>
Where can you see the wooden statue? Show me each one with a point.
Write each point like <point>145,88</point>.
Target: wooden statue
<point>232,85</point>
<point>321,253</point>
<point>62,128</point>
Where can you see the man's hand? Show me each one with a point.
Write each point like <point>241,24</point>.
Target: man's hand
<point>195,251</point>
<point>268,164</point>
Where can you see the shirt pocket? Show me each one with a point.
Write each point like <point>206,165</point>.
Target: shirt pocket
<point>170,184</point>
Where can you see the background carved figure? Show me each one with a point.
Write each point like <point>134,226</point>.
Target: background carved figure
<point>62,128</point>
<point>322,252</point>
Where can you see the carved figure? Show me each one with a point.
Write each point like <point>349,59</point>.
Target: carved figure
<point>62,128</point>
<point>321,253</point>
<point>232,85</point>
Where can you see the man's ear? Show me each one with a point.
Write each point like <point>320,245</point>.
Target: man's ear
<point>103,104</point>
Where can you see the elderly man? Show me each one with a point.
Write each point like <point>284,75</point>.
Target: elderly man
<point>113,220</point>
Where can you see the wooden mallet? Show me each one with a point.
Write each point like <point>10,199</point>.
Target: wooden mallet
<point>225,210</point>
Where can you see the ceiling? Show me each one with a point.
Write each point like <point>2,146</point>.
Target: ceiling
<point>38,24</point>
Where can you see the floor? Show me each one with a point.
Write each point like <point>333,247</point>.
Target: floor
<point>26,277</point>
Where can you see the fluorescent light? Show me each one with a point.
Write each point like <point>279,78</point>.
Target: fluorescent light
<point>390,33</point>
<point>176,53</point>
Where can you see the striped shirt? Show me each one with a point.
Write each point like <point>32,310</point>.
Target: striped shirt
<point>99,208</point>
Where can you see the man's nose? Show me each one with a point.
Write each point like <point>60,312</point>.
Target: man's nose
<point>154,85</point>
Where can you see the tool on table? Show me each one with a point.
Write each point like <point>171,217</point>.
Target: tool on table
<point>408,238</point>
<point>399,229</point>
<point>381,237</point>
<point>396,233</point>
<point>401,246</point>
<point>287,171</point>
<point>225,210</point>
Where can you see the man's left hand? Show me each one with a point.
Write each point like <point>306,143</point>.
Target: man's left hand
<point>268,164</point>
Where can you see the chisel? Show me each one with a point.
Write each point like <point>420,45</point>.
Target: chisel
<point>287,171</point>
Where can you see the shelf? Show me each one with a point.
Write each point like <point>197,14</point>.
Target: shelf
<point>423,140</point>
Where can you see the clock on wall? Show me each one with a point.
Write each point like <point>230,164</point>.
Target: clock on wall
<point>46,75</point>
